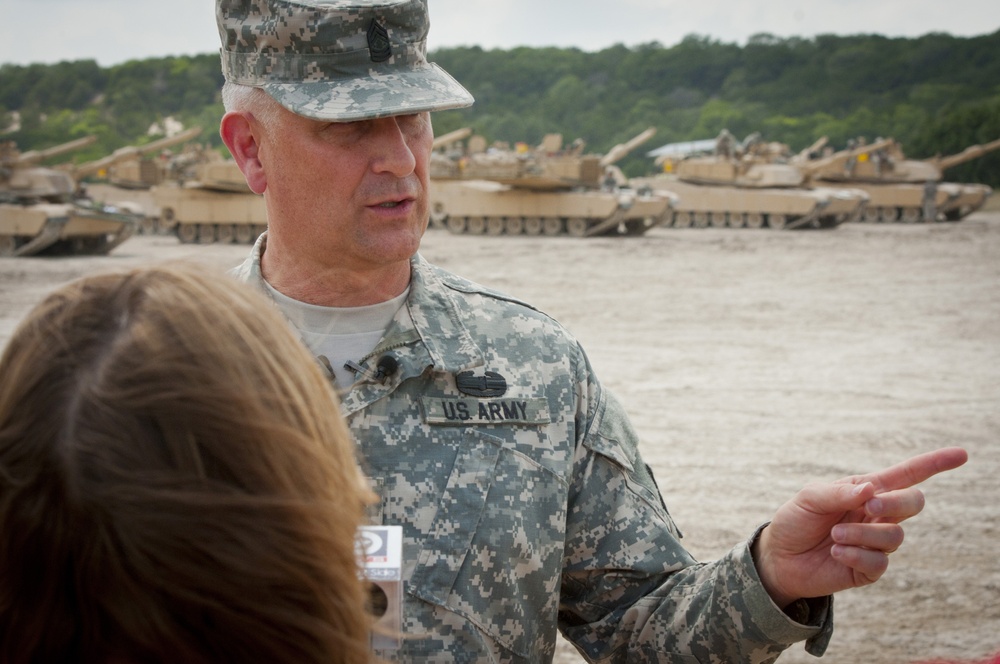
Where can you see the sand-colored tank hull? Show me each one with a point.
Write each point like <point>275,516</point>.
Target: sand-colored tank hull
<point>137,201</point>
<point>63,228</point>
<point>484,207</point>
<point>700,205</point>
<point>971,198</point>
<point>903,202</point>
<point>205,216</point>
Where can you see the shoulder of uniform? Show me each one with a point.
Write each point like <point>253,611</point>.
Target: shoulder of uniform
<point>462,285</point>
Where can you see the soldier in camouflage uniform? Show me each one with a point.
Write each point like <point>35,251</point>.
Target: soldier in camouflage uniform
<point>525,504</point>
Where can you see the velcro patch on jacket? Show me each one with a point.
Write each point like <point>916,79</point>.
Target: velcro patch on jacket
<point>459,410</point>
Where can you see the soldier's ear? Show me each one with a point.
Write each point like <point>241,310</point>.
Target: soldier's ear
<point>238,135</point>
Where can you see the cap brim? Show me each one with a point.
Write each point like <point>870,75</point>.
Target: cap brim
<point>426,88</point>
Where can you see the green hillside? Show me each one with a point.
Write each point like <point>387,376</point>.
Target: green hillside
<point>936,94</point>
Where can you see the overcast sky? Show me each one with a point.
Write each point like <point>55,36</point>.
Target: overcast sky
<point>113,31</point>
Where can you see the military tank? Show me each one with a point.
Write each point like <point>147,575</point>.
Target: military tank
<point>547,190</point>
<point>127,167</point>
<point>44,211</point>
<point>130,168</point>
<point>753,184</point>
<point>901,189</point>
<point>124,177</point>
<point>215,205</point>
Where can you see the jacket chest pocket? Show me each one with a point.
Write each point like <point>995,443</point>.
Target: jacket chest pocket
<point>494,551</point>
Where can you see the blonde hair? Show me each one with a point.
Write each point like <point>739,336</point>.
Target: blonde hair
<point>176,483</point>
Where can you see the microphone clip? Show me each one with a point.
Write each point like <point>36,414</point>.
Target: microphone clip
<point>386,366</point>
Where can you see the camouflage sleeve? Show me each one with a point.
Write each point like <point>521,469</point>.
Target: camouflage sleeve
<point>630,591</point>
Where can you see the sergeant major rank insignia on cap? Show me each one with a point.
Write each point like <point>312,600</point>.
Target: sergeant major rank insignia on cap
<point>336,60</point>
<point>378,42</point>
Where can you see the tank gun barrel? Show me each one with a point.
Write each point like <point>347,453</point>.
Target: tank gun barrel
<point>968,154</point>
<point>837,159</point>
<point>619,151</point>
<point>814,148</point>
<point>133,152</point>
<point>451,137</point>
<point>33,157</point>
<point>169,141</point>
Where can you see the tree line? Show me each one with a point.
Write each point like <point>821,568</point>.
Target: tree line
<point>936,94</point>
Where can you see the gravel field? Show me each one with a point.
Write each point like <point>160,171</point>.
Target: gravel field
<point>753,362</point>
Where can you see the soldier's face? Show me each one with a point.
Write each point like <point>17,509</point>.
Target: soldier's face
<point>351,193</point>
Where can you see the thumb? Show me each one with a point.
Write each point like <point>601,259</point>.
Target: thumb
<point>837,497</point>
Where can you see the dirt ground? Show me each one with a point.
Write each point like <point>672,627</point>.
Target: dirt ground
<point>756,361</point>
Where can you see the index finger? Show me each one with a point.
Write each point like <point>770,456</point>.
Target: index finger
<point>915,469</point>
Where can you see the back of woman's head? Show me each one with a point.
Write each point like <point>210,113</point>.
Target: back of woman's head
<point>176,483</point>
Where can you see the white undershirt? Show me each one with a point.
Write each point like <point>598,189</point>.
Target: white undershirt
<point>339,334</point>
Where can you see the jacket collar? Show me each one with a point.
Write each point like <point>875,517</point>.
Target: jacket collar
<point>426,333</point>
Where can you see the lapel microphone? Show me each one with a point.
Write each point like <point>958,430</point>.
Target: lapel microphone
<point>386,366</point>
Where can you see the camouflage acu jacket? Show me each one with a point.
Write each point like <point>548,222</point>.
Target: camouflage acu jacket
<point>525,504</point>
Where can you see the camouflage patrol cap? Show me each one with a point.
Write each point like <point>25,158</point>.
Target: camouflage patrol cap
<point>338,60</point>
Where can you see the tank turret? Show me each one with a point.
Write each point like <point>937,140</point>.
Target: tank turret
<point>547,166</point>
<point>752,164</point>
<point>219,174</point>
<point>126,168</point>
<point>24,180</point>
<point>862,162</point>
